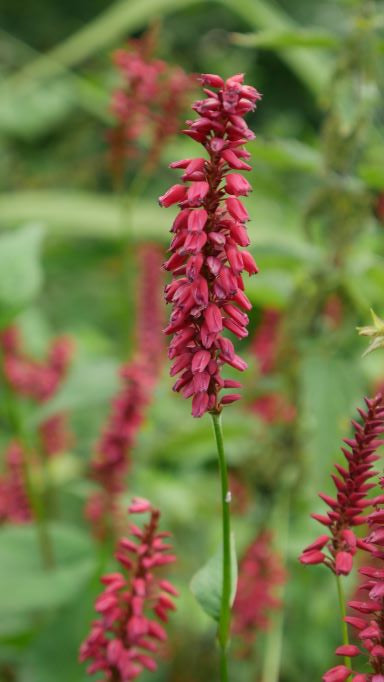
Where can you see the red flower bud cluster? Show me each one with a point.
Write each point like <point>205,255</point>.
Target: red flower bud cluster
<point>347,509</point>
<point>265,342</point>
<point>39,381</point>
<point>271,406</point>
<point>122,643</point>
<point>150,307</point>
<point>112,458</point>
<point>31,378</point>
<point>14,503</point>
<point>260,574</point>
<point>207,291</point>
<point>112,461</point>
<point>150,101</point>
<point>369,620</point>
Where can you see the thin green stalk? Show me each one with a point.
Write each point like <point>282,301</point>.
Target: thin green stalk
<point>225,612</point>
<point>274,640</point>
<point>344,627</point>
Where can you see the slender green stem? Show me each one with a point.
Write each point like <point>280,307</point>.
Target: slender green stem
<point>274,640</point>
<point>225,613</point>
<point>344,627</point>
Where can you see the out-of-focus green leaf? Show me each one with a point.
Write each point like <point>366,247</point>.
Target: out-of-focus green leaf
<point>46,108</point>
<point>25,585</point>
<point>330,392</point>
<point>20,271</point>
<point>276,39</point>
<point>311,67</point>
<point>286,154</point>
<point>84,214</point>
<point>116,21</point>
<point>87,385</point>
<point>206,584</point>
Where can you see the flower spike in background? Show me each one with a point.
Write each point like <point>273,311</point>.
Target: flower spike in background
<point>207,290</point>
<point>351,500</point>
<point>369,619</point>
<point>122,643</point>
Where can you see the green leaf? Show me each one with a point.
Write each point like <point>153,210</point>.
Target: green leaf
<point>83,214</point>
<point>25,585</point>
<point>206,584</point>
<point>20,271</point>
<point>273,39</point>
<point>330,391</point>
<point>87,385</point>
<point>312,68</point>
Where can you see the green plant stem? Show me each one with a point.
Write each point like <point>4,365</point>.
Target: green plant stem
<point>344,627</point>
<point>274,640</point>
<point>225,613</point>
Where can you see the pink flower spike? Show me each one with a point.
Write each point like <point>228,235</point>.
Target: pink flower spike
<point>206,262</point>
<point>123,641</point>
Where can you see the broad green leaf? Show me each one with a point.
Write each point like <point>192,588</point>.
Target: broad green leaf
<point>20,271</point>
<point>25,585</point>
<point>206,584</point>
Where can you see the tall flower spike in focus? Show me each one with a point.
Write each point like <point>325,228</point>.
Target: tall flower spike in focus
<point>207,290</point>
<point>122,643</point>
<point>346,510</point>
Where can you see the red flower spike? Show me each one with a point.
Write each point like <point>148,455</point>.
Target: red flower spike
<point>371,628</point>
<point>123,641</point>
<point>14,503</point>
<point>260,573</point>
<point>351,488</point>
<point>209,230</point>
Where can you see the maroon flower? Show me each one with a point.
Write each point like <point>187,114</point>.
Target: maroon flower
<point>38,380</point>
<point>14,503</point>
<point>260,574</point>
<point>150,307</point>
<point>122,643</point>
<point>55,436</point>
<point>351,499</point>
<point>111,462</point>
<point>369,621</point>
<point>149,101</point>
<point>207,291</point>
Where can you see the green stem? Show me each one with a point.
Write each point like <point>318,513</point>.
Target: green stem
<point>344,627</point>
<point>225,612</point>
<point>274,640</point>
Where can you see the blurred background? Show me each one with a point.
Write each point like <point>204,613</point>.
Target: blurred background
<point>81,243</point>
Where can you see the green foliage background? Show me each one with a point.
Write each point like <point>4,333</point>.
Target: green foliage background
<point>63,268</point>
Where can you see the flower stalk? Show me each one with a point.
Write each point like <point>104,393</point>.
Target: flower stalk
<point>223,633</point>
